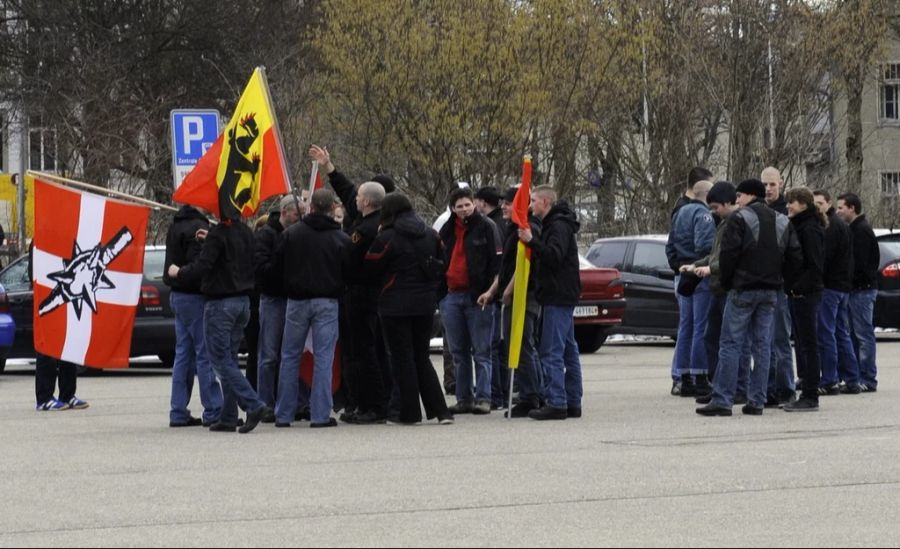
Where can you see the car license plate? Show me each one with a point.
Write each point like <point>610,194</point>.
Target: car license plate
<point>581,312</point>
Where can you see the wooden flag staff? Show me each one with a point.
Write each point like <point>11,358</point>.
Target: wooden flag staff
<point>102,190</point>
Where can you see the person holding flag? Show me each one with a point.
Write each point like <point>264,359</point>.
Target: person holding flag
<point>245,166</point>
<point>559,285</point>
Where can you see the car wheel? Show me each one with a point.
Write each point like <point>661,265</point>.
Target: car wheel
<point>167,359</point>
<point>590,338</point>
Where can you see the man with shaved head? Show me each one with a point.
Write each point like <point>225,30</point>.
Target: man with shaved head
<point>781,369</point>
<point>691,238</point>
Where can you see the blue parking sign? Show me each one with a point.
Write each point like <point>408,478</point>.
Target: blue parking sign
<point>193,132</point>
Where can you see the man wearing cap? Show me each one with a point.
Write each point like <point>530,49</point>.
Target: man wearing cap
<point>758,245</point>
<point>691,238</point>
<point>487,200</point>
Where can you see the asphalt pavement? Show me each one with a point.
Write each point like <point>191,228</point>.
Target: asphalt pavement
<point>639,469</point>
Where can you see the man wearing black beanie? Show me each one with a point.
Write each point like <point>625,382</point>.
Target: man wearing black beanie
<point>758,245</point>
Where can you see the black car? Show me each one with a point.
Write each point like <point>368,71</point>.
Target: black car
<point>650,304</point>
<point>887,306</point>
<point>154,325</point>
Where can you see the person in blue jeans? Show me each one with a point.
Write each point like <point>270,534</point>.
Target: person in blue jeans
<point>472,256</point>
<point>312,259</point>
<point>555,260</point>
<point>866,262</point>
<point>690,239</point>
<point>225,271</point>
<point>183,244</point>
<point>757,245</point>
<point>836,350</point>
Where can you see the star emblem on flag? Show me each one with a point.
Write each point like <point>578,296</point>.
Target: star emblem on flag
<point>84,274</point>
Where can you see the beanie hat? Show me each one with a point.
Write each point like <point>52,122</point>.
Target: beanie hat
<point>510,194</point>
<point>386,182</point>
<point>752,186</point>
<point>489,195</point>
<point>722,193</point>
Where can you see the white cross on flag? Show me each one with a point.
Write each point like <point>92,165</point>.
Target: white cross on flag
<point>88,263</point>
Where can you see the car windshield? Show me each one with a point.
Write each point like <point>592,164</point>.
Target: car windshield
<point>890,250</point>
<point>15,278</point>
<point>154,261</point>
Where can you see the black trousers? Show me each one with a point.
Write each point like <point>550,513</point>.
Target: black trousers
<point>806,340</point>
<point>408,339</point>
<point>365,371</point>
<point>46,371</point>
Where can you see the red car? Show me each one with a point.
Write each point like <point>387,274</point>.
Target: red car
<point>601,306</point>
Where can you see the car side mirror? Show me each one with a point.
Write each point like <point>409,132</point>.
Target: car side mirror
<point>667,274</point>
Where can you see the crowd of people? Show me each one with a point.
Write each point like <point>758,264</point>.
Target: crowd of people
<point>758,267</point>
<point>369,286</point>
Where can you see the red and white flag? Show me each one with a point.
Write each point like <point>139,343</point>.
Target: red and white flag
<point>88,263</point>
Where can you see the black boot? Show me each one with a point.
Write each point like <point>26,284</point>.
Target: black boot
<point>703,387</point>
<point>688,388</point>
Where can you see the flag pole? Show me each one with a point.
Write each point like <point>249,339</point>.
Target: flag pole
<point>313,174</point>
<point>102,190</point>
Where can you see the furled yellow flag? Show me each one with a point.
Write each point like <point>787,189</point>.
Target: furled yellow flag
<point>246,164</point>
<point>521,203</point>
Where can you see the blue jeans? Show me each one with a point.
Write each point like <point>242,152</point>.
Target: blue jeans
<point>321,316</point>
<point>862,309</point>
<point>751,310</point>
<point>835,345</point>
<point>191,360</point>
<point>223,322</point>
<point>529,373</point>
<point>781,361</point>
<point>690,348</point>
<point>714,337</point>
<point>469,333</point>
<point>271,330</point>
<point>559,357</point>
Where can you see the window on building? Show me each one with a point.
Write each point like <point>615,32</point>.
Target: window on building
<point>890,183</point>
<point>43,149</point>
<point>890,93</point>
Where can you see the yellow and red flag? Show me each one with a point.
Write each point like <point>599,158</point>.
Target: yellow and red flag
<point>246,164</point>
<point>521,203</point>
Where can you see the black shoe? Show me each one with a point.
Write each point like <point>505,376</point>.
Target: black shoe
<point>772,401</point>
<point>369,418</point>
<point>219,427</point>
<point>750,410</point>
<point>464,407</point>
<point>703,399</point>
<point>481,408</point>
<point>688,388</point>
<point>713,410</point>
<point>282,424</point>
<point>302,415</point>
<point>787,399</point>
<point>191,422</point>
<point>740,399</point>
<point>330,423</point>
<point>348,417</point>
<point>573,412</point>
<point>253,419</point>
<point>676,388</point>
<point>830,390</point>
<point>547,412</point>
<point>702,386</point>
<point>520,410</point>
<point>868,388</point>
<point>852,389</point>
<point>270,417</point>
<point>804,404</point>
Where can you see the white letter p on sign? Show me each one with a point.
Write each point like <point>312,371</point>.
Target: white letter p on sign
<point>192,127</point>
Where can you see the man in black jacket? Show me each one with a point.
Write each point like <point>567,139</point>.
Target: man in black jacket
<point>183,245</point>
<point>758,245</point>
<point>781,366</point>
<point>472,257</point>
<point>312,258</point>
<point>272,300</point>
<point>555,254</point>
<point>342,186</point>
<point>866,262</point>
<point>224,269</point>
<point>835,344</point>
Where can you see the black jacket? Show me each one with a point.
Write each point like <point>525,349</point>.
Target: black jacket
<point>866,255</point>
<point>482,251</point>
<point>407,259</point>
<point>758,247</point>
<point>346,191</point>
<point>182,248</point>
<point>838,254</point>
<point>362,231</point>
<point>780,205</point>
<point>225,265</point>
<point>312,257</point>
<point>510,250</point>
<point>556,252</point>
<point>811,234</point>
<point>502,225</point>
<point>268,281</point>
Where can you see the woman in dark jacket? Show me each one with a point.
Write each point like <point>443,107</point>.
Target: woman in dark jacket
<point>406,256</point>
<point>805,291</point>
